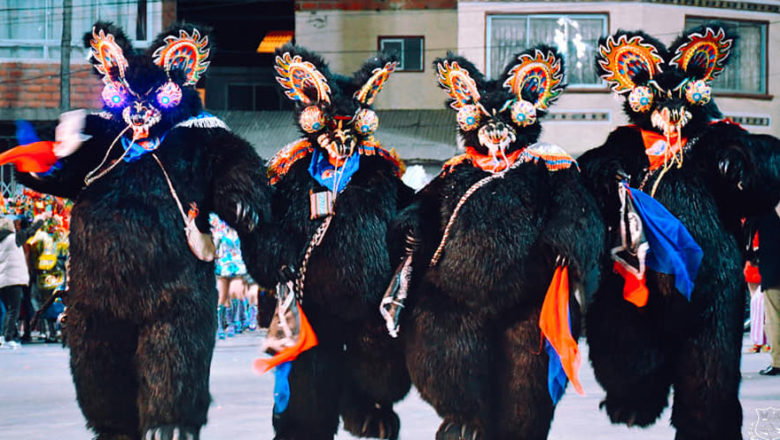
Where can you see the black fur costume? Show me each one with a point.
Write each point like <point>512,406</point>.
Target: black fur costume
<point>726,174</point>
<point>141,316</point>
<point>473,342</point>
<point>356,371</point>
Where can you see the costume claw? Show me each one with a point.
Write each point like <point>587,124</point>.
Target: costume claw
<point>169,433</point>
<point>452,431</point>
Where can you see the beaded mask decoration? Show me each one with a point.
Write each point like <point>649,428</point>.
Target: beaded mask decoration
<point>665,88</point>
<point>630,62</point>
<point>491,113</point>
<point>337,118</point>
<point>182,55</point>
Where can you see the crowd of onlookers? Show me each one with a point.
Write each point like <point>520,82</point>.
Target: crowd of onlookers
<point>33,273</point>
<point>33,267</point>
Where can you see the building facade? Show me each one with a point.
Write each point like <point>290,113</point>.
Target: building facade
<point>346,32</point>
<point>488,32</point>
<point>30,45</point>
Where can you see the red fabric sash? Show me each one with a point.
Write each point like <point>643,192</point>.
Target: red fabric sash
<point>635,288</point>
<point>555,325</point>
<point>486,162</point>
<point>306,340</point>
<point>37,157</point>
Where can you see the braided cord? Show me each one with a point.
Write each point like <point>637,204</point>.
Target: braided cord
<point>316,239</point>
<point>479,184</point>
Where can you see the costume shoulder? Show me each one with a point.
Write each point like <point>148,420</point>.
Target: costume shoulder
<point>721,132</point>
<point>280,164</point>
<point>624,149</point>
<point>552,156</point>
<point>372,147</point>
<point>453,162</point>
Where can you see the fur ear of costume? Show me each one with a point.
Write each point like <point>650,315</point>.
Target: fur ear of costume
<point>460,79</point>
<point>372,77</point>
<point>703,52</point>
<point>535,76</point>
<point>183,52</point>
<point>302,75</point>
<point>627,60</point>
<point>108,45</point>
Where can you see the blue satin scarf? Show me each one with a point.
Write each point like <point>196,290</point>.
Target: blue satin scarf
<point>325,173</point>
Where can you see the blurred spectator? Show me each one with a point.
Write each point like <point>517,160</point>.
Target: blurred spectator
<point>14,277</point>
<point>48,251</point>
<point>753,279</point>
<point>44,248</point>
<point>230,270</point>
<point>769,268</point>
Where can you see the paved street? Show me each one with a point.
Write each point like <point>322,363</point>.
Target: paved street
<point>38,401</point>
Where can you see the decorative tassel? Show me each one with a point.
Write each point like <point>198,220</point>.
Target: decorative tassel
<point>555,323</point>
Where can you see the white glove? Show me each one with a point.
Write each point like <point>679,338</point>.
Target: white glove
<point>69,133</point>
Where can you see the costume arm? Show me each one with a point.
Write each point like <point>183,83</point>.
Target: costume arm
<point>621,155</point>
<point>419,220</point>
<point>574,229</point>
<point>240,195</point>
<point>742,170</point>
<point>66,178</point>
<point>239,191</point>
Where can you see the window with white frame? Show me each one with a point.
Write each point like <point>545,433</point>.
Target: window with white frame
<point>746,71</point>
<point>575,35</point>
<point>408,50</point>
<point>32,29</point>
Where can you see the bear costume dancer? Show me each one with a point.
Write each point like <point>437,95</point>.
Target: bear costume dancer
<point>481,267</point>
<point>709,173</point>
<point>141,315</point>
<point>337,173</point>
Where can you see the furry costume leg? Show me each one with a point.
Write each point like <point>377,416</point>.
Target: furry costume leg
<point>101,358</point>
<point>706,384</point>
<point>628,355</point>
<point>375,378</point>
<point>173,358</point>
<point>450,351</point>
<point>315,386</point>
<point>526,409</point>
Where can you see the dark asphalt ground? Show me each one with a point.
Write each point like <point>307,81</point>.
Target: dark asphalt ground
<point>37,400</point>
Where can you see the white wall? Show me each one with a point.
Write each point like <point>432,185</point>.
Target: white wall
<point>346,38</point>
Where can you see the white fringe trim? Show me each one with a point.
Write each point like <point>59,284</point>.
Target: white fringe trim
<point>207,122</point>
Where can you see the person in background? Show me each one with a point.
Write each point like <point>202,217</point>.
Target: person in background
<point>230,270</point>
<point>769,268</point>
<point>25,230</point>
<point>14,277</point>
<point>250,301</point>
<point>47,256</point>
<point>753,279</point>
<point>2,321</point>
